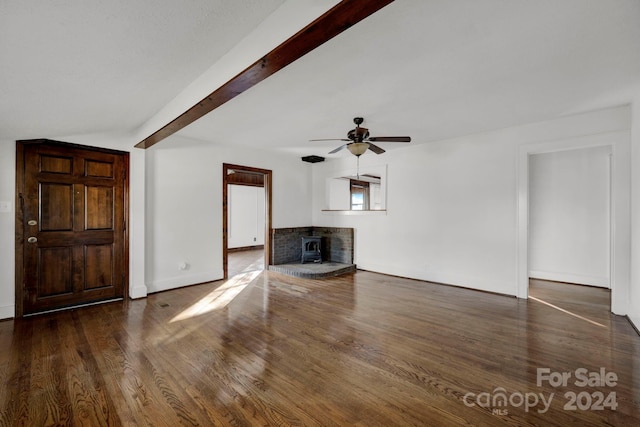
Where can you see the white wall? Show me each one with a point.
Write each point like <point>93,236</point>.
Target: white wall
<point>7,227</point>
<point>450,214</point>
<point>245,216</point>
<point>175,208</point>
<point>452,205</point>
<point>184,206</point>
<point>634,300</point>
<point>569,225</point>
<point>458,225</point>
<point>338,194</point>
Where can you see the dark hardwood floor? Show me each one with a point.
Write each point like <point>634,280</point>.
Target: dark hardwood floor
<point>362,349</point>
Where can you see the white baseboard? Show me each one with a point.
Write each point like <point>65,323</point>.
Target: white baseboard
<point>181,281</point>
<point>602,282</point>
<point>7,311</point>
<point>138,292</point>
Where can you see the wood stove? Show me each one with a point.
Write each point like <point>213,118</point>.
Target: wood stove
<point>311,249</point>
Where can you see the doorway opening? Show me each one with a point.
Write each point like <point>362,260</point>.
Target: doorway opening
<point>246,218</point>
<point>619,217</point>
<point>569,216</point>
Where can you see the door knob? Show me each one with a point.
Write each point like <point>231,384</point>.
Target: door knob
<point>32,239</point>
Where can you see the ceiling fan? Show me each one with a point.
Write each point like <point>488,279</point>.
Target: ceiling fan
<point>359,141</point>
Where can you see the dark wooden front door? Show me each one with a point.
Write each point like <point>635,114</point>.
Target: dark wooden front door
<point>73,224</point>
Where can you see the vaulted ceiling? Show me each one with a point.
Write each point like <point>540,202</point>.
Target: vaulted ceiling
<point>430,69</point>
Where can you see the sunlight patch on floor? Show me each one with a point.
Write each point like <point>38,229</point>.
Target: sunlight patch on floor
<point>256,265</point>
<point>567,312</point>
<point>219,297</point>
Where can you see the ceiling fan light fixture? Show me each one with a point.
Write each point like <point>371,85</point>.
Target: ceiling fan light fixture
<point>358,148</point>
<point>358,140</point>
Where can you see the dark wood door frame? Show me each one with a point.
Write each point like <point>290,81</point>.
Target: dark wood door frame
<point>268,179</point>
<point>20,218</point>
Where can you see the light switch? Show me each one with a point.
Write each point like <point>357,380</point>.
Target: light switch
<point>5,207</point>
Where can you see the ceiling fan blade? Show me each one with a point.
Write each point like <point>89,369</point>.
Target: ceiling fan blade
<point>390,139</point>
<point>375,148</point>
<point>342,147</point>
<point>331,139</point>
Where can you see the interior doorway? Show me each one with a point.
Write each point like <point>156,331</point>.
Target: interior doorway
<point>569,216</point>
<point>246,216</point>
<point>619,213</point>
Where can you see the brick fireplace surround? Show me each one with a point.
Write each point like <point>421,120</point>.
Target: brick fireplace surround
<point>337,251</point>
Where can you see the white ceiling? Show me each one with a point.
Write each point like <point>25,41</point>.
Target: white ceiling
<point>86,66</point>
<point>429,69</point>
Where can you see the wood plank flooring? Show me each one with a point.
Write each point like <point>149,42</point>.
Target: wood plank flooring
<point>243,261</point>
<point>264,349</point>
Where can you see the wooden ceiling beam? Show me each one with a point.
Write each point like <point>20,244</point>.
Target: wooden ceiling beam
<point>333,22</point>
